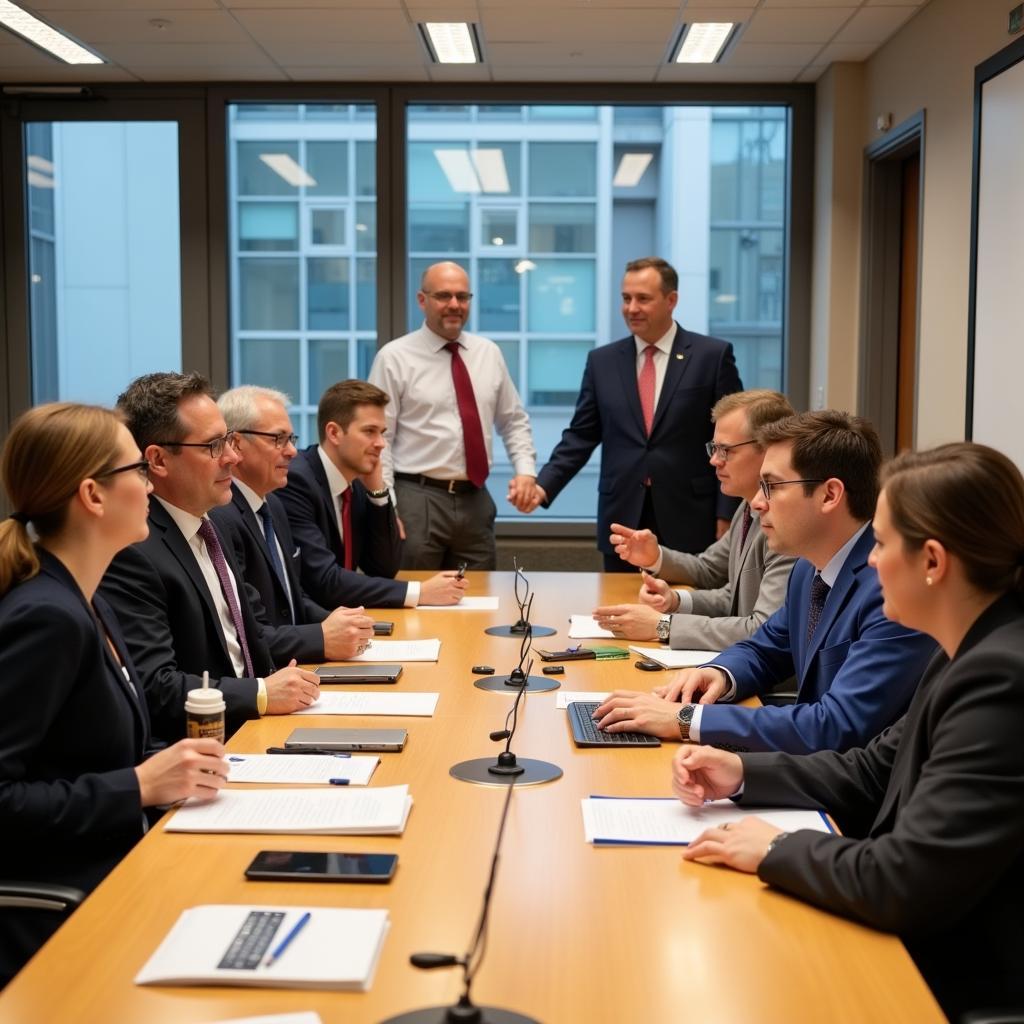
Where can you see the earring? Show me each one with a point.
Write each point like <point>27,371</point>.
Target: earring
<point>929,580</point>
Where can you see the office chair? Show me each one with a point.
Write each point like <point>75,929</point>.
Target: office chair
<point>55,899</point>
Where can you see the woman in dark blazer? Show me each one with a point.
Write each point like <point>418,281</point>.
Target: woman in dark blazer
<point>75,774</point>
<point>932,810</point>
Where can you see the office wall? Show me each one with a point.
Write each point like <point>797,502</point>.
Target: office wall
<point>929,64</point>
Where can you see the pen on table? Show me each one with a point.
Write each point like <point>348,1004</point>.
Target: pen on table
<point>463,566</point>
<point>286,941</point>
<point>339,782</point>
<point>647,572</point>
<point>306,750</point>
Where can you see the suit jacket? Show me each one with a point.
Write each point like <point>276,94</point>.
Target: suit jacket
<point>170,623</point>
<point>608,413</point>
<point>300,638</point>
<point>933,843</point>
<point>71,732</point>
<point>855,677</point>
<point>741,587</point>
<point>313,515</point>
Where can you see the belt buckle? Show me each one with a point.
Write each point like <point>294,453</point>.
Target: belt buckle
<point>451,486</point>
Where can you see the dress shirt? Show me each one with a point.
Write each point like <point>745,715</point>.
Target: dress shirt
<point>256,502</point>
<point>829,573</point>
<point>337,483</point>
<point>664,349</point>
<point>423,423</point>
<point>189,526</point>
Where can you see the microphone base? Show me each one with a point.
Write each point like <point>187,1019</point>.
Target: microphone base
<point>479,772</point>
<point>461,1015</point>
<point>505,684</point>
<point>517,631</point>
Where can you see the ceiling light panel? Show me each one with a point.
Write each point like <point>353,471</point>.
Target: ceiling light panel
<point>451,42</point>
<point>702,42</point>
<point>42,35</point>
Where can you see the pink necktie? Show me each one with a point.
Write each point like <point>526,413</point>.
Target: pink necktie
<point>472,432</point>
<point>645,384</point>
<point>220,565</point>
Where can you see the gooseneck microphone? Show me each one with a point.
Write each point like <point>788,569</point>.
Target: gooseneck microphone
<point>524,600</point>
<point>519,677</point>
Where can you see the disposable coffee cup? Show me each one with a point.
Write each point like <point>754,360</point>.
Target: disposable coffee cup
<point>204,714</point>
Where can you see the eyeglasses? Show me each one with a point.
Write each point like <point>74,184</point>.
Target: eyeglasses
<point>215,447</point>
<point>445,297</point>
<point>768,485</point>
<point>723,450</point>
<point>280,440</point>
<point>142,468</point>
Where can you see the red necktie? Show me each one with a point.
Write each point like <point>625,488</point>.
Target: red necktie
<point>747,520</point>
<point>472,432</point>
<point>645,384</point>
<point>347,540</point>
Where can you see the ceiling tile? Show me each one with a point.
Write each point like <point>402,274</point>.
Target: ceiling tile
<point>221,73</point>
<point>51,8</point>
<point>796,26</point>
<point>580,6</point>
<point>343,26</point>
<point>804,4</point>
<point>564,73</point>
<point>875,24</point>
<point>325,52</point>
<point>594,56</point>
<point>733,14</point>
<point>331,73</point>
<point>813,73</point>
<point>201,56</point>
<point>725,74</point>
<point>99,27</point>
<point>694,5</point>
<point>771,55</point>
<point>459,72</point>
<point>845,52</point>
<point>619,27</point>
<point>287,8</point>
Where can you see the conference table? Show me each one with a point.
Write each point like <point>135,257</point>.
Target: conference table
<point>578,933</point>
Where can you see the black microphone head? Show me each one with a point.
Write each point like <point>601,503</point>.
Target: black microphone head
<point>428,961</point>
<point>501,734</point>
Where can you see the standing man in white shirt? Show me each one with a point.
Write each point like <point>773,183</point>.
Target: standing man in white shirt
<point>449,390</point>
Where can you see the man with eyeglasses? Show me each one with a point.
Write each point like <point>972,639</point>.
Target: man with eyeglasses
<point>856,670</point>
<point>449,390</point>
<point>179,594</point>
<point>292,624</point>
<point>341,513</point>
<point>740,580</point>
<point>646,400</point>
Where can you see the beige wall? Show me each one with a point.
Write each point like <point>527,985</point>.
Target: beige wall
<point>929,64</point>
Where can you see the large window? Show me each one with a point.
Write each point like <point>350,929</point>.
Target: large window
<point>303,241</point>
<point>544,206</point>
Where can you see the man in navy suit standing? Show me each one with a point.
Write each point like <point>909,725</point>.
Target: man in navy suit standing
<point>647,400</point>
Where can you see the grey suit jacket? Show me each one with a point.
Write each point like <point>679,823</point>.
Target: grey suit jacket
<point>739,587</point>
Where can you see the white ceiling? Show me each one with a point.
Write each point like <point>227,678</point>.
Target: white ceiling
<point>377,40</point>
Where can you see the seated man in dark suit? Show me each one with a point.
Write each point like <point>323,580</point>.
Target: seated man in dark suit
<point>342,516</point>
<point>856,670</point>
<point>293,625</point>
<point>178,594</point>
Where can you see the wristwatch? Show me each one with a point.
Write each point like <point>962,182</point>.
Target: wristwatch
<point>382,493</point>
<point>776,840</point>
<point>663,628</point>
<point>684,718</point>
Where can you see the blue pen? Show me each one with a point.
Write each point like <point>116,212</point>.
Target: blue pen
<point>236,758</point>
<point>286,941</point>
<point>338,782</point>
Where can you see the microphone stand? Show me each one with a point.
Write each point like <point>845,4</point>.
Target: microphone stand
<point>507,769</point>
<point>517,677</point>
<point>525,603</point>
<point>465,1011</point>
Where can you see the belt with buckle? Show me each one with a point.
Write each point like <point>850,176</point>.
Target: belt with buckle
<point>451,486</point>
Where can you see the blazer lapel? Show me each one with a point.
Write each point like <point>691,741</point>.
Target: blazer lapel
<point>133,692</point>
<point>329,506</point>
<point>678,363</point>
<point>249,519</point>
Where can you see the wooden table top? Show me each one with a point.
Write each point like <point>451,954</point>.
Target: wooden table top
<point>577,934</point>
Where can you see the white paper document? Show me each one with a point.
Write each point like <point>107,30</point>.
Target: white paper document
<point>674,659</point>
<point>400,650</point>
<point>334,949</point>
<point>565,697</point>
<point>664,821</point>
<point>307,768</point>
<point>482,603</point>
<point>334,811</point>
<point>349,703</point>
<point>585,627</point>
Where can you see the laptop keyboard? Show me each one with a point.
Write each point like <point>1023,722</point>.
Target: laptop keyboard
<point>586,733</point>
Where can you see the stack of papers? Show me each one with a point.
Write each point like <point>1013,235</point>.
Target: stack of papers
<point>674,659</point>
<point>585,627</point>
<point>566,697</point>
<point>413,704</point>
<point>400,650</point>
<point>356,768</point>
<point>664,821</point>
<point>467,604</point>
<point>335,812</point>
<point>335,949</point>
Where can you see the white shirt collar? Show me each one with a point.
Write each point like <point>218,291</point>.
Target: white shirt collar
<point>438,343</point>
<point>835,564</point>
<point>663,344</point>
<point>335,479</point>
<point>254,500</point>
<point>185,521</point>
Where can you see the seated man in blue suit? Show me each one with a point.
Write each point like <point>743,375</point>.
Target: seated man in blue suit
<point>342,516</point>
<point>292,624</point>
<point>856,670</point>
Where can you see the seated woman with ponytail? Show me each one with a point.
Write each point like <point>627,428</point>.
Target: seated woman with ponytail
<point>932,810</point>
<point>75,770</point>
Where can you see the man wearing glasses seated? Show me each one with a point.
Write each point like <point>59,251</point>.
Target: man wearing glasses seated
<point>856,670</point>
<point>449,390</point>
<point>178,594</point>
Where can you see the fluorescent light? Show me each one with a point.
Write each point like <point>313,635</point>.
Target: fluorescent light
<point>42,35</point>
<point>703,42</point>
<point>631,169</point>
<point>524,265</point>
<point>725,298</point>
<point>458,170</point>
<point>450,42</point>
<point>490,167</point>
<point>285,167</point>
<point>496,240</point>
